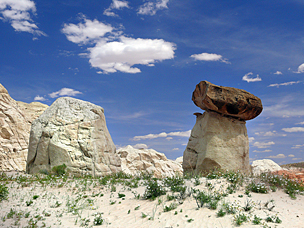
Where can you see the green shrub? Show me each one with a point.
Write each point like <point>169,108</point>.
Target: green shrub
<point>221,213</point>
<point>240,218</point>
<point>153,190</point>
<point>257,187</point>
<point>59,170</point>
<point>256,220</point>
<point>98,220</point>
<point>171,207</point>
<point>3,192</point>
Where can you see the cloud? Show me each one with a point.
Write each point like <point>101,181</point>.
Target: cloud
<point>284,84</point>
<point>174,149</point>
<point>248,79</point>
<point>251,139</point>
<point>301,123</point>
<point>64,92</point>
<point>39,98</point>
<point>294,129</point>
<point>263,144</point>
<point>269,133</point>
<point>297,146</point>
<point>264,151</point>
<point>209,57</point>
<point>123,54</point>
<point>115,5</point>
<point>151,7</point>
<point>18,13</point>
<point>277,156</point>
<point>278,72</point>
<point>163,135</point>
<point>140,146</point>
<point>291,155</point>
<point>86,31</point>
<point>300,69</point>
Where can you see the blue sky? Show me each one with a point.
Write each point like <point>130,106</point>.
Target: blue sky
<point>141,60</point>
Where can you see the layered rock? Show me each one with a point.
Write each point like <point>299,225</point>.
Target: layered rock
<point>227,101</point>
<point>32,110</point>
<point>217,142</point>
<point>72,132</point>
<point>134,161</point>
<point>14,134</point>
<point>264,166</point>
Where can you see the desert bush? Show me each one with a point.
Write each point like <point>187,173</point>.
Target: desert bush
<point>257,187</point>
<point>59,170</point>
<point>3,192</point>
<point>153,190</point>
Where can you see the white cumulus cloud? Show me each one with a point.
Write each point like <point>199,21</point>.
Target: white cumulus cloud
<point>18,13</point>
<point>151,7</point>
<point>263,151</point>
<point>39,98</point>
<point>123,54</point>
<point>140,146</point>
<point>249,79</point>
<point>300,69</point>
<point>64,92</point>
<point>277,156</point>
<point>209,57</point>
<point>263,144</point>
<point>86,31</point>
<point>301,123</point>
<point>278,72</point>
<point>116,4</point>
<point>294,129</point>
<point>163,135</point>
<point>284,84</point>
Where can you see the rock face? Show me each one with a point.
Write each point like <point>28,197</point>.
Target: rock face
<point>265,165</point>
<point>227,101</point>
<point>14,134</point>
<point>32,110</point>
<point>217,142</point>
<point>134,161</point>
<point>73,132</point>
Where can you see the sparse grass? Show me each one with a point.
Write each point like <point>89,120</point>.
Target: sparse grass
<point>171,207</point>
<point>153,190</point>
<point>240,219</point>
<point>3,192</point>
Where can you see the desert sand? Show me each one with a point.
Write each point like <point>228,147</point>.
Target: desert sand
<point>82,202</point>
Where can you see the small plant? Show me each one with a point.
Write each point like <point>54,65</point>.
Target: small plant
<point>3,192</point>
<point>59,170</point>
<point>57,204</point>
<point>274,219</point>
<point>35,197</point>
<point>248,205</point>
<point>230,209</point>
<point>170,197</point>
<point>98,220</point>
<point>137,208</point>
<point>190,220</point>
<point>257,187</point>
<point>29,203</point>
<point>221,213</point>
<point>153,190</point>
<point>143,215</point>
<point>269,205</point>
<point>10,214</point>
<point>240,218</point>
<point>256,220</point>
<point>112,202</point>
<point>120,195</point>
<point>171,207</point>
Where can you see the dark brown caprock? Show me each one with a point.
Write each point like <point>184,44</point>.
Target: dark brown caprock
<point>228,101</point>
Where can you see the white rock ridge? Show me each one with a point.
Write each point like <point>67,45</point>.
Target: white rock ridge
<point>134,161</point>
<point>14,134</point>
<point>264,165</point>
<point>217,142</point>
<point>72,132</point>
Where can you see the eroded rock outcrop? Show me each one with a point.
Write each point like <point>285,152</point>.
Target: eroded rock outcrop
<point>32,110</point>
<point>217,142</point>
<point>72,132</point>
<point>14,134</point>
<point>219,138</point>
<point>264,166</point>
<point>134,161</point>
<point>227,101</point>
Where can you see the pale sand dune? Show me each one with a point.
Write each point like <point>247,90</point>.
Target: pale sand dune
<point>291,212</point>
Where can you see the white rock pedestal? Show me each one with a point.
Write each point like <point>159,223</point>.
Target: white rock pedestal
<point>217,142</point>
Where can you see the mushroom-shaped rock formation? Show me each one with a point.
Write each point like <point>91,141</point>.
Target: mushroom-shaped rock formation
<point>227,101</point>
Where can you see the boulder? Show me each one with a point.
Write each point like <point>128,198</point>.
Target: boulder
<point>134,161</point>
<point>263,166</point>
<point>32,110</point>
<point>217,142</point>
<point>14,134</point>
<point>227,101</point>
<point>74,133</point>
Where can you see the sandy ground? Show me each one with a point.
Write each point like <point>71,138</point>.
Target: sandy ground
<point>77,203</point>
